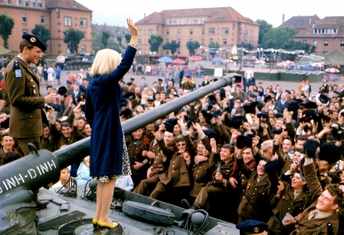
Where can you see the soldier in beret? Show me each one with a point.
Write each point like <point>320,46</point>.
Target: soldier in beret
<point>26,102</point>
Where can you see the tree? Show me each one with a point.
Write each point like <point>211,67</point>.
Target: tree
<point>283,37</point>
<point>264,27</point>
<point>172,46</point>
<point>214,45</point>
<point>119,40</point>
<point>246,45</point>
<point>72,38</point>
<point>42,33</point>
<point>6,26</point>
<point>155,42</point>
<point>105,39</point>
<point>192,46</point>
<point>127,37</point>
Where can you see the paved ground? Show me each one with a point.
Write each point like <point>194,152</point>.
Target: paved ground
<point>151,79</point>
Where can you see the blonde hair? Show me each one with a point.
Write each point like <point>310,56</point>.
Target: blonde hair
<point>105,62</point>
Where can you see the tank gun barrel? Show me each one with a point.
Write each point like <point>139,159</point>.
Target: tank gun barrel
<point>38,169</point>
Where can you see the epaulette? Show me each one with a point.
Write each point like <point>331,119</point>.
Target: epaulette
<point>17,70</point>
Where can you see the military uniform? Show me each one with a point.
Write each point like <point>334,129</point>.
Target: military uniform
<point>177,176</point>
<point>159,165</point>
<point>316,225</point>
<point>227,169</point>
<point>26,104</point>
<point>135,149</point>
<point>201,173</point>
<point>287,203</point>
<point>308,221</point>
<point>255,202</point>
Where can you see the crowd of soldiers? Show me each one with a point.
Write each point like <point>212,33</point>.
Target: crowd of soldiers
<point>261,153</point>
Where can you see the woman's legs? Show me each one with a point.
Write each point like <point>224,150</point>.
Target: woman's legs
<point>98,200</point>
<point>107,190</point>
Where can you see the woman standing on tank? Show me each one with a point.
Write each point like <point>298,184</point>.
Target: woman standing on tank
<point>108,151</point>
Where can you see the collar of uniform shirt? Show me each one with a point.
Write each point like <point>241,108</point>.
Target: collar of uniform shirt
<point>316,214</point>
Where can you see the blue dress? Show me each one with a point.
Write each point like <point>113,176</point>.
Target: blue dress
<point>103,113</point>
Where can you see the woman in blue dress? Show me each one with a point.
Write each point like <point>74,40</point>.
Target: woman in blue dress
<point>109,156</point>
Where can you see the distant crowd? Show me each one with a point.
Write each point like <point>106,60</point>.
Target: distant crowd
<point>243,152</point>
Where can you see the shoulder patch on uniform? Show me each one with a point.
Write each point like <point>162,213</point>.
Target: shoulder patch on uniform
<point>17,70</point>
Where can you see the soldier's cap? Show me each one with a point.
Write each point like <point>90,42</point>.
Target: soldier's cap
<point>324,99</point>
<point>244,141</point>
<point>329,152</point>
<point>169,124</point>
<point>309,105</point>
<point>62,91</point>
<point>210,133</point>
<point>251,226</point>
<point>34,41</point>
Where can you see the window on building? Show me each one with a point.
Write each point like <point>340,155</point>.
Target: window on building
<point>83,22</point>
<point>342,43</point>
<point>226,30</point>
<point>27,3</point>
<point>211,30</point>
<point>42,19</point>
<point>191,32</point>
<point>325,43</point>
<point>24,19</point>
<point>334,31</point>
<point>68,21</point>
<point>224,42</point>
<point>167,32</point>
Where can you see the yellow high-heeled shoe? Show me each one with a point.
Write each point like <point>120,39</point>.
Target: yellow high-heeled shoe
<point>103,225</point>
<point>95,223</point>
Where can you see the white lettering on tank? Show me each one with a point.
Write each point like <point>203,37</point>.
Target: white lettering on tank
<point>44,168</point>
<point>3,182</point>
<point>52,165</point>
<point>11,182</point>
<point>19,178</point>
<point>39,170</point>
<point>32,173</point>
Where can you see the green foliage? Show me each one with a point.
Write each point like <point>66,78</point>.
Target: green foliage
<point>171,46</point>
<point>127,37</point>
<point>283,38</point>
<point>214,45</point>
<point>72,38</point>
<point>119,40</point>
<point>105,39</point>
<point>264,27</point>
<point>6,26</point>
<point>42,33</point>
<point>192,46</point>
<point>155,42</point>
<point>246,45</point>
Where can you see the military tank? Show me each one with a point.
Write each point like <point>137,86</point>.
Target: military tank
<point>26,207</point>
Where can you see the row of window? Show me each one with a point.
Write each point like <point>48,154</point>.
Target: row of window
<point>186,21</point>
<point>42,19</point>
<point>325,31</point>
<point>25,3</point>
<point>326,43</point>
<point>210,31</point>
<point>68,21</point>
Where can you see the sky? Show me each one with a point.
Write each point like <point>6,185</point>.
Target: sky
<point>114,12</point>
